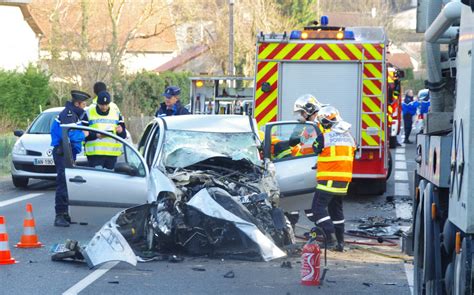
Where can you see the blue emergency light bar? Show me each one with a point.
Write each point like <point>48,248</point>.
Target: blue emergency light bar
<point>323,32</point>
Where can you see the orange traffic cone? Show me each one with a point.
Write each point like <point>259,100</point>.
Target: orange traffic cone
<point>5,256</point>
<point>29,239</point>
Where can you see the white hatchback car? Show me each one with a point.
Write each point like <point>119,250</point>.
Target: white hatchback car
<point>32,152</point>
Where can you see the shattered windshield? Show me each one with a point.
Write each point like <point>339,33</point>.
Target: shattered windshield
<point>185,148</point>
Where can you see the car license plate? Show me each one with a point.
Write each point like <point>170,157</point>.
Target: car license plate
<point>44,162</point>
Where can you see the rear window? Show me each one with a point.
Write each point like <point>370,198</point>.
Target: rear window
<point>42,123</point>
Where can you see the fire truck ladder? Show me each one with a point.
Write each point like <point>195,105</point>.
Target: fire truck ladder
<point>372,130</point>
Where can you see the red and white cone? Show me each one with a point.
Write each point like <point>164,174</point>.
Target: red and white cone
<point>5,255</point>
<point>29,239</point>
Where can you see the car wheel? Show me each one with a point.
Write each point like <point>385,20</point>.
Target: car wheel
<point>20,181</point>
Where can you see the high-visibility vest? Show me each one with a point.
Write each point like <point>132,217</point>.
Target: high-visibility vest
<point>335,162</point>
<point>284,154</point>
<point>106,146</point>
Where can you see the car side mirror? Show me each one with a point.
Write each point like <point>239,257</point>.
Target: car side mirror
<point>126,169</point>
<point>18,133</point>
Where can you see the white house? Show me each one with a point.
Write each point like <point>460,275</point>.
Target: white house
<point>19,35</point>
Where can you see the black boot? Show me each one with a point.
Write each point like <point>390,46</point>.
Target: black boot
<point>60,220</point>
<point>67,217</point>
<point>340,238</point>
<point>331,241</point>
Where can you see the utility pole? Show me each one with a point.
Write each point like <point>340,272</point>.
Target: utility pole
<point>231,38</point>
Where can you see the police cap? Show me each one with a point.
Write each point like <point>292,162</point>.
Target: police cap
<point>103,97</point>
<point>172,91</point>
<point>78,95</point>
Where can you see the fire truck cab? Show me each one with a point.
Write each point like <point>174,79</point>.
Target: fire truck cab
<point>343,67</point>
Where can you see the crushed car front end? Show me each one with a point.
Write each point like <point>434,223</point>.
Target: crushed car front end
<point>220,199</point>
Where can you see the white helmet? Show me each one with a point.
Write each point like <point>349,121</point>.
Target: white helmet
<point>308,104</point>
<point>328,116</point>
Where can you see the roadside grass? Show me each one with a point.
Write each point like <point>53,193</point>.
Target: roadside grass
<point>6,144</point>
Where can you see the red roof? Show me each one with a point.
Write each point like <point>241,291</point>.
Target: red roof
<point>182,58</point>
<point>99,29</point>
<point>400,60</point>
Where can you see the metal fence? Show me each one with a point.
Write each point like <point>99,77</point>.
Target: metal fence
<point>6,145</point>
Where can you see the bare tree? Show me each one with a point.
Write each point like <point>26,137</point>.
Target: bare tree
<point>85,47</point>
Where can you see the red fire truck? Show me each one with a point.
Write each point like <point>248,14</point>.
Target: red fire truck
<point>343,67</point>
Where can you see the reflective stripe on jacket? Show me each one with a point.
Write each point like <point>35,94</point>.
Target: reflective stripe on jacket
<point>335,161</point>
<point>106,146</point>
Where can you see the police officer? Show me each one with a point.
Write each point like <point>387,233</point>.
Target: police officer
<point>73,113</point>
<point>172,106</point>
<point>99,87</point>
<point>102,151</point>
<point>335,148</point>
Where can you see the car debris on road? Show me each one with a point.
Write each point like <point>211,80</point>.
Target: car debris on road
<point>212,222</point>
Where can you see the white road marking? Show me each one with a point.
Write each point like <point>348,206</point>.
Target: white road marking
<point>401,175</point>
<point>19,199</point>
<point>402,189</point>
<point>410,275</point>
<point>400,151</point>
<point>400,165</point>
<point>400,157</point>
<point>92,277</point>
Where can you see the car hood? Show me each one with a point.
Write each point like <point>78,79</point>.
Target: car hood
<point>37,142</point>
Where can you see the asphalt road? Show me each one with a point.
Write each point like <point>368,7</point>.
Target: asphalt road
<point>359,270</point>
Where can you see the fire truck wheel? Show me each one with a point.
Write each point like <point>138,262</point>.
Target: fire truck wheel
<point>390,165</point>
<point>392,143</point>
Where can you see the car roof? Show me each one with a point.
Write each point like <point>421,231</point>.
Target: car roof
<point>209,123</point>
<point>51,110</point>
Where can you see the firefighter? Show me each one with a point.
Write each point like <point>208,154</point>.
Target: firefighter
<point>306,107</point>
<point>102,151</point>
<point>73,113</point>
<point>172,106</point>
<point>335,149</point>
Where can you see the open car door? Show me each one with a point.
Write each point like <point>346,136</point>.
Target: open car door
<point>289,145</point>
<point>99,191</point>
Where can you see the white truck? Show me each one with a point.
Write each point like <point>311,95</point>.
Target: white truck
<point>443,225</point>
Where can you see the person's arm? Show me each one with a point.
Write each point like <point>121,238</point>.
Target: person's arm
<point>183,111</point>
<point>121,131</point>
<point>295,137</point>
<point>318,144</point>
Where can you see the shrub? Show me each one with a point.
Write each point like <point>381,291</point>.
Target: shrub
<point>22,94</point>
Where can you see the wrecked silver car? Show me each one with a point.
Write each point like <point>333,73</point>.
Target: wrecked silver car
<point>197,184</point>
